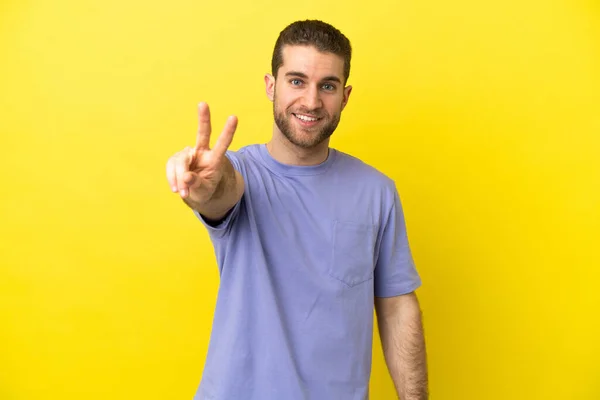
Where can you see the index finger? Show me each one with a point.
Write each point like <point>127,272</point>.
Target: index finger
<point>203,136</point>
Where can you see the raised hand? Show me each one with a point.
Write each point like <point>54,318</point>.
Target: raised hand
<point>197,172</point>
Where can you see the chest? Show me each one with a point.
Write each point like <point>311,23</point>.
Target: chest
<point>329,225</point>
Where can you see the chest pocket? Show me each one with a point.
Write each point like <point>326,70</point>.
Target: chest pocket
<point>353,252</point>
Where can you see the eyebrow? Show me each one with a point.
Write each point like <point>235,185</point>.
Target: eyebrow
<point>331,78</point>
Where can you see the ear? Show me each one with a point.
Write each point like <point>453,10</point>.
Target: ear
<point>270,86</point>
<point>347,91</point>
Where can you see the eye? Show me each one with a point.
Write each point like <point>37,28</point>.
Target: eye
<point>328,87</point>
<point>296,82</point>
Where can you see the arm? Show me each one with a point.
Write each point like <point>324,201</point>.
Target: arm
<point>403,342</point>
<point>205,178</point>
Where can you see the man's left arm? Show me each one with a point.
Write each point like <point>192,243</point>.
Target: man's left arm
<point>401,333</point>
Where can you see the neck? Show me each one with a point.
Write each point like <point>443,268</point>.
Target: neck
<point>284,151</point>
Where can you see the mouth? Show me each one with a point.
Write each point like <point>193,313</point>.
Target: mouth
<point>306,120</point>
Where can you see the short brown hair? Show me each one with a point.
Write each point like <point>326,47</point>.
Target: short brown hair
<point>319,34</point>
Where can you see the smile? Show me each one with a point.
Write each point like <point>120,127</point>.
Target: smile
<point>306,118</point>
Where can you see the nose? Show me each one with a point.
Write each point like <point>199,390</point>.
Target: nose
<point>312,98</point>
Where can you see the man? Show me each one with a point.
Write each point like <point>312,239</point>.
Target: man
<point>308,240</point>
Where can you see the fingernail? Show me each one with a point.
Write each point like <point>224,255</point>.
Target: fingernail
<point>182,192</point>
<point>174,189</point>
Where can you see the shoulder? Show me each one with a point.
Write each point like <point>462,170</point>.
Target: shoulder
<point>360,171</point>
<point>243,151</point>
<point>366,188</point>
<point>242,156</point>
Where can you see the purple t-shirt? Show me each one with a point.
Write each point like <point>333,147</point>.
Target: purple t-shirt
<point>301,257</point>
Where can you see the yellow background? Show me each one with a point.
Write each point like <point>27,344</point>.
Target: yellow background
<point>486,114</point>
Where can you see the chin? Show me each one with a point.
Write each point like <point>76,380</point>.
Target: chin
<point>307,141</point>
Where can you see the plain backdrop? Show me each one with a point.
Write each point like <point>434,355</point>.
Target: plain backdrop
<point>486,115</point>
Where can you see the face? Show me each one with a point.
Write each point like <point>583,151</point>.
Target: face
<point>308,95</point>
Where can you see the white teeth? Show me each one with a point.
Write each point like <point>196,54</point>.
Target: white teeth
<point>305,118</point>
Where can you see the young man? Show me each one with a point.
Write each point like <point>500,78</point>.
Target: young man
<point>308,240</point>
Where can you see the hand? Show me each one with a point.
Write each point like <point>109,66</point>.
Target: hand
<point>196,172</point>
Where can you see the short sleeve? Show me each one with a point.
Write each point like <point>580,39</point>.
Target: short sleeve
<point>220,230</point>
<point>395,271</point>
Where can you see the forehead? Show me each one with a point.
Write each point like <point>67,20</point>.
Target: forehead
<point>312,62</point>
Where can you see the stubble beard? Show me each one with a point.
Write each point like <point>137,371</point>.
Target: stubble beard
<point>309,138</point>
